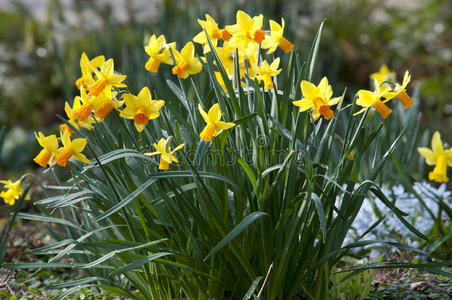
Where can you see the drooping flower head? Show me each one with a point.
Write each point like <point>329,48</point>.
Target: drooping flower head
<point>158,51</point>
<point>317,98</point>
<point>13,191</point>
<point>437,157</point>
<point>186,62</point>
<point>50,147</point>
<point>71,148</point>
<point>214,125</point>
<point>141,108</point>
<point>265,72</point>
<point>166,154</point>
<point>276,39</point>
<point>213,32</point>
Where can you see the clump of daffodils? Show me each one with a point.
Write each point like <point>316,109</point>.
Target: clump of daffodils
<point>102,90</point>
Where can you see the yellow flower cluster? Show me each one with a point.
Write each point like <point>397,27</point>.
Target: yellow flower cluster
<point>246,36</point>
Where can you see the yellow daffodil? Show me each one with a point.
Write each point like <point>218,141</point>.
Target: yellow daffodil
<point>265,72</point>
<point>87,66</point>
<point>317,98</point>
<point>368,99</point>
<point>106,78</point>
<point>158,51</point>
<point>437,157</point>
<point>214,125</point>
<point>383,74</point>
<point>226,55</point>
<point>247,30</point>
<point>78,110</point>
<point>400,91</point>
<point>247,59</point>
<point>13,192</point>
<point>213,32</point>
<point>105,103</point>
<point>166,154</point>
<point>50,147</point>
<point>276,39</point>
<point>141,108</point>
<point>70,149</point>
<point>83,112</point>
<point>186,62</point>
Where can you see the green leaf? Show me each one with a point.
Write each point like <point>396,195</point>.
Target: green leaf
<point>200,153</point>
<point>252,288</point>
<point>314,51</point>
<point>40,218</point>
<point>236,231</point>
<point>140,262</point>
<point>76,282</point>
<point>321,214</point>
<point>179,94</point>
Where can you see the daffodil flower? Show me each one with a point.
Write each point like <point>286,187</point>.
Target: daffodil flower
<point>246,30</point>
<point>265,72</point>
<point>141,108</point>
<point>276,39</point>
<point>400,91</point>
<point>106,78</point>
<point>214,125</point>
<point>317,98</point>
<point>158,51</point>
<point>186,62</point>
<point>104,103</point>
<point>87,66</point>
<point>78,110</point>
<point>70,149</point>
<point>166,154</point>
<point>368,99</point>
<point>213,32</point>
<point>437,157</point>
<point>13,192</point>
<point>50,147</point>
<point>383,74</point>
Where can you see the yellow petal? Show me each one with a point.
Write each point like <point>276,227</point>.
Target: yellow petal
<point>81,157</point>
<point>430,157</point>
<point>308,89</point>
<point>203,113</point>
<point>140,127</point>
<point>304,104</point>
<point>323,85</point>
<point>78,145</point>
<point>178,147</point>
<point>214,113</point>
<point>223,125</point>
<point>365,98</point>
<point>151,153</point>
<point>437,144</point>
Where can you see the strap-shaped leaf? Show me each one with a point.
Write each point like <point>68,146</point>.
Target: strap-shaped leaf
<point>236,231</point>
